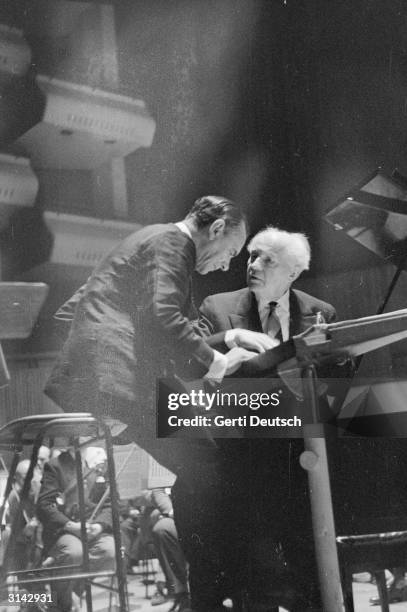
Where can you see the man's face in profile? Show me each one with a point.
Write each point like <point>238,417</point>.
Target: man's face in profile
<point>220,247</point>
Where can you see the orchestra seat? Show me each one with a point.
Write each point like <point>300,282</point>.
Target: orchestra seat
<point>31,431</point>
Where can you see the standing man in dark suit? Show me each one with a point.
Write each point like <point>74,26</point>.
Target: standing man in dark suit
<point>132,321</point>
<point>132,324</point>
<point>267,505</point>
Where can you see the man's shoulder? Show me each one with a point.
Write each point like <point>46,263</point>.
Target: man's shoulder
<point>61,462</point>
<point>310,302</point>
<point>164,241</point>
<point>156,233</point>
<point>226,298</point>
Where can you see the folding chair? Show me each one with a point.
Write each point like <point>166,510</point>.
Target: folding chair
<point>31,431</point>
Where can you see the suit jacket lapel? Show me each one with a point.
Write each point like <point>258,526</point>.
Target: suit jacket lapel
<point>246,315</point>
<point>295,315</point>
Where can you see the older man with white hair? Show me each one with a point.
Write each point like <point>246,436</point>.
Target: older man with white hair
<point>268,304</point>
<point>261,532</point>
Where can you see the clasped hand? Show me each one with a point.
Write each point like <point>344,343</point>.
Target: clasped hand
<point>249,344</point>
<point>92,529</point>
<point>251,340</point>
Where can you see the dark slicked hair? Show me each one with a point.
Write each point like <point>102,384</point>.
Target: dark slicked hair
<point>209,208</point>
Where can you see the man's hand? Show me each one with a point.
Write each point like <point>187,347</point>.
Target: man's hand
<point>134,513</point>
<point>236,356</point>
<point>94,530</point>
<point>73,527</point>
<point>254,341</point>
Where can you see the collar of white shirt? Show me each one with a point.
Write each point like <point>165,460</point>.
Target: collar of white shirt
<point>282,310</point>
<point>184,228</point>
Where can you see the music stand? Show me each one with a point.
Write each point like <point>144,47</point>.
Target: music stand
<point>20,304</point>
<point>374,214</point>
<point>314,346</point>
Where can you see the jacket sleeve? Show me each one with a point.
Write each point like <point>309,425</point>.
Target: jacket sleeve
<point>66,312</point>
<point>162,502</point>
<point>47,508</point>
<point>104,517</point>
<point>168,281</point>
<point>209,326</point>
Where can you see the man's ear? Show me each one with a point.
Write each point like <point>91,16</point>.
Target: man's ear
<point>295,272</point>
<point>216,229</point>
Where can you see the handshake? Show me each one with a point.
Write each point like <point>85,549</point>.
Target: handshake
<point>244,345</point>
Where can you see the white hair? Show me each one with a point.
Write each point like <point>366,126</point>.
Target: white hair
<point>295,245</point>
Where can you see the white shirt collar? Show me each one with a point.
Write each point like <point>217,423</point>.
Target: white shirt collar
<point>184,228</point>
<point>282,304</point>
<point>282,312</point>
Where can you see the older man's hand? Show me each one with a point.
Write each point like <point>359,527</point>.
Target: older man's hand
<point>251,340</point>
<point>235,357</point>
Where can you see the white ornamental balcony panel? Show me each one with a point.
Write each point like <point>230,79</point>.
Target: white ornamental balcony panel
<point>15,54</point>
<point>83,241</point>
<point>18,185</point>
<point>82,128</point>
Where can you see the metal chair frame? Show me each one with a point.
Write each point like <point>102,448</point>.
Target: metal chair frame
<point>31,431</point>
<point>374,552</point>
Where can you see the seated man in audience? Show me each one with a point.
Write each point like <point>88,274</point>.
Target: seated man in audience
<point>58,509</point>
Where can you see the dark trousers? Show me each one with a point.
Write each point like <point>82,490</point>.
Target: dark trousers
<point>170,555</point>
<point>245,525</point>
<point>68,551</point>
<point>129,530</point>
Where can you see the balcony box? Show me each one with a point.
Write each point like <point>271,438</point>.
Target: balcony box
<point>18,185</point>
<point>83,241</point>
<point>82,128</point>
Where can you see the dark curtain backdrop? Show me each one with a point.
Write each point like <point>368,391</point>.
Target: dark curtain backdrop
<point>284,106</point>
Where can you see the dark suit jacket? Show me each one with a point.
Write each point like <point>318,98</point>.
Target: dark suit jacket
<point>238,309</point>
<point>131,325</point>
<point>59,481</point>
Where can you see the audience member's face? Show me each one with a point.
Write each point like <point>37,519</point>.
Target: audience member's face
<point>269,272</point>
<point>20,480</point>
<point>43,456</point>
<point>220,247</point>
<point>20,476</point>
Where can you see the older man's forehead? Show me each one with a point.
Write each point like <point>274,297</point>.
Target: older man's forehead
<point>262,246</point>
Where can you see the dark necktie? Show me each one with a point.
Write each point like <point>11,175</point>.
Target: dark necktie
<point>273,323</point>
